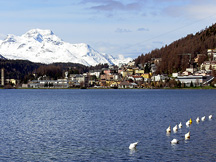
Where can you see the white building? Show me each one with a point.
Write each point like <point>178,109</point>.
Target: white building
<point>158,78</point>
<point>174,75</point>
<point>195,79</point>
<point>60,83</point>
<point>96,73</point>
<point>212,52</point>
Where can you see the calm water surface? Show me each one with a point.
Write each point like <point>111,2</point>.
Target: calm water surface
<point>99,125</point>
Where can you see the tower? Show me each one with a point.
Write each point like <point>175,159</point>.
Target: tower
<point>2,76</point>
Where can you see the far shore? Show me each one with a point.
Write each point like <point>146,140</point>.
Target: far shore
<point>187,88</point>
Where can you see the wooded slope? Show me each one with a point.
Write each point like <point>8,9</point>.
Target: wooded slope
<point>173,58</point>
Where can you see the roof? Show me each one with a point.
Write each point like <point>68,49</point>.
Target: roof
<point>136,76</point>
<point>125,83</point>
<point>190,77</point>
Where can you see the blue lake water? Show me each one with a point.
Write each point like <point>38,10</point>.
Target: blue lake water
<point>99,125</point>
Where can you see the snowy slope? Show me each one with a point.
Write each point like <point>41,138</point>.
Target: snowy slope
<point>45,47</point>
<point>1,57</point>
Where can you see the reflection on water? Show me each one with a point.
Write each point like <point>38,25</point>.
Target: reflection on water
<point>132,151</point>
<point>168,134</point>
<point>99,125</point>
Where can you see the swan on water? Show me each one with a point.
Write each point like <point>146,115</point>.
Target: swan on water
<point>168,130</point>
<point>175,129</point>
<point>133,145</point>
<point>210,116</point>
<point>197,119</point>
<point>180,125</point>
<point>174,141</point>
<point>187,135</point>
<point>188,123</point>
<point>203,118</point>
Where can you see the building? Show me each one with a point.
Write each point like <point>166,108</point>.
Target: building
<point>186,73</point>
<point>95,72</point>
<point>139,72</point>
<point>11,81</point>
<point>208,65</point>
<point>197,80</point>
<point>158,78</point>
<point>106,77</point>
<point>146,75</point>
<point>78,80</point>
<point>126,84</point>
<point>135,78</point>
<point>202,72</point>
<point>174,75</point>
<point>127,73</point>
<point>212,54</point>
<point>60,83</point>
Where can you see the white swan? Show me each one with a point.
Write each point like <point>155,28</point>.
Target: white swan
<point>187,135</point>
<point>180,125</point>
<point>188,123</point>
<point>133,145</point>
<point>203,118</point>
<point>197,119</point>
<point>168,130</point>
<point>175,129</point>
<point>210,116</point>
<point>174,141</point>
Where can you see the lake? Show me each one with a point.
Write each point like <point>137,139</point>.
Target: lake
<point>99,125</point>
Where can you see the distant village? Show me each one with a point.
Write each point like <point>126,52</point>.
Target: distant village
<point>128,76</point>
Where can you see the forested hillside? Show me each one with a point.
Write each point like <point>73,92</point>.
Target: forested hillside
<point>23,70</point>
<point>174,56</point>
<point>17,69</point>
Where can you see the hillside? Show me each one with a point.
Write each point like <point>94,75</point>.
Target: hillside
<point>23,69</point>
<point>173,58</point>
<point>17,69</point>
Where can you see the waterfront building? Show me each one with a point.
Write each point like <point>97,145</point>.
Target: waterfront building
<point>197,80</point>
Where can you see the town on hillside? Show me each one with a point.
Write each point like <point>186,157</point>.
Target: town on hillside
<point>126,76</point>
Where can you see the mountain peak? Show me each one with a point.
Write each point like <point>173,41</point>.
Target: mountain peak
<point>38,34</point>
<point>41,35</point>
<point>10,38</point>
<point>43,32</point>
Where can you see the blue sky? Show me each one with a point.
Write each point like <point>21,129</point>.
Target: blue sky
<point>126,27</point>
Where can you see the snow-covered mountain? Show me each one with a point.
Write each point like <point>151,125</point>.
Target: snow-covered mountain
<point>1,57</point>
<point>45,47</point>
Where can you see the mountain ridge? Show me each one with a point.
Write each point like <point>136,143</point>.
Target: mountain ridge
<point>43,46</point>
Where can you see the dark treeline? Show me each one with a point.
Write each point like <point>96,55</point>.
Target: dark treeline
<point>18,69</point>
<point>98,67</point>
<point>23,70</point>
<point>173,58</point>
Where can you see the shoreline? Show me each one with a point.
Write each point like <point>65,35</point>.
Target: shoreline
<point>188,88</point>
